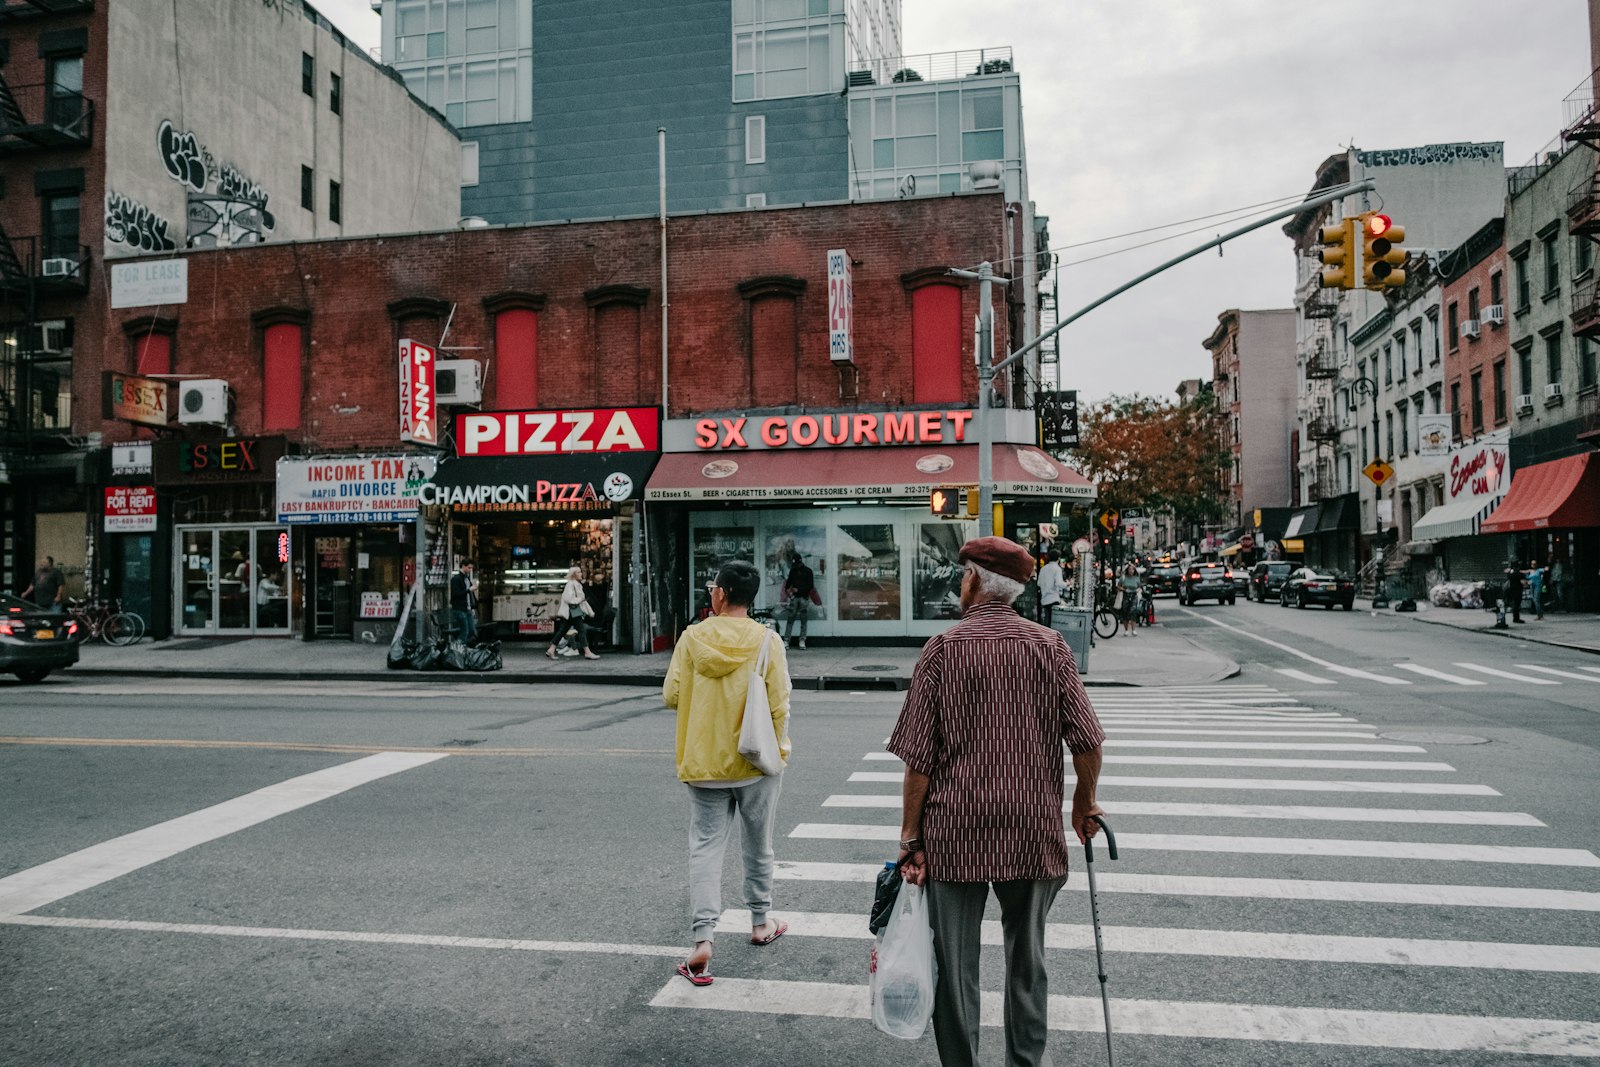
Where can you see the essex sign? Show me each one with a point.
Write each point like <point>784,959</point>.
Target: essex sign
<point>558,433</point>
<point>132,398</point>
<point>419,400</point>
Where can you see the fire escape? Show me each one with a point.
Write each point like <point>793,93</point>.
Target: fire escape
<point>1583,199</point>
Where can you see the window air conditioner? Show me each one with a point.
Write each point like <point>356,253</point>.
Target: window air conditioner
<point>1494,314</point>
<point>1524,402</point>
<point>1552,391</point>
<point>52,337</point>
<point>203,401</point>
<point>59,267</point>
<point>1471,328</point>
<point>459,381</point>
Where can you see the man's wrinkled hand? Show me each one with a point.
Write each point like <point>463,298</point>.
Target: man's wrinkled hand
<point>1082,825</point>
<point>914,867</point>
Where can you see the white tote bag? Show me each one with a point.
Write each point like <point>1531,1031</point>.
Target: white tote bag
<point>758,742</point>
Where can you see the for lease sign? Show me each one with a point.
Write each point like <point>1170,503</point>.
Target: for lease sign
<point>419,407</point>
<point>557,433</point>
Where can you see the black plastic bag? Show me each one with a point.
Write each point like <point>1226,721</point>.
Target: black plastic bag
<point>884,896</point>
<point>425,658</point>
<point>483,657</point>
<point>453,656</point>
<point>400,653</point>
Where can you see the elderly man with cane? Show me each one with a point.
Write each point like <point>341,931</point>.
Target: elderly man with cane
<point>992,702</point>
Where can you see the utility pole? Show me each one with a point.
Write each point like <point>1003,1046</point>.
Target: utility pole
<point>1379,599</point>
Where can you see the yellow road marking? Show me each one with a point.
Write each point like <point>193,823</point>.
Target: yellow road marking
<point>305,746</point>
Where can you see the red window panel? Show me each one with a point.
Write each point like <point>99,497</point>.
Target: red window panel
<point>516,359</point>
<point>281,378</point>
<point>936,344</point>
<point>152,354</point>
<point>616,337</point>
<point>773,343</point>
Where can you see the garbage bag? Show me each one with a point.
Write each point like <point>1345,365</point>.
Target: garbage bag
<point>482,657</point>
<point>903,969</point>
<point>453,657</point>
<point>400,653</point>
<point>425,658</point>
<point>884,896</point>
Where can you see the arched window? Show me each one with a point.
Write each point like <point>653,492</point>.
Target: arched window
<point>516,348</point>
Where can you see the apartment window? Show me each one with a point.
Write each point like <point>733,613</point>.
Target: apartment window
<point>1477,401</point>
<point>282,379</point>
<point>1361,369</point>
<point>469,163</point>
<point>1349,480</point>
<point>335,207</point>
<point>929,136</point>
<point>755,139</point>
<point>336,94</point>
<point>308,189</point>
<point>59,213</point>
<point>1525,370</point>
<point>1499,392</point>
<point>1433,329</point>
<point>1388,365</point>
<point>472,60</point>
<point>1435,398</point>
<point>1363,447</point>
<point>755,199</point>
<point>516,363</point>
<point>308,75</point>
<point>787,48</point>
<point>1587,372</point>
<point>1388,426</point>
<point>1472,304</point>
<point>1552,263</point>
<point>1416,343</point>
<point>1455,328</point>
<point>1403,417</point>
<point>66,91</point>
<point>1455,409</point>
<point>1552,357</point>
<point>936,339</point>
<point>1400,353</point>
<point>1524,283</point>
<point>1582,257</point>
<point>1494,288</point>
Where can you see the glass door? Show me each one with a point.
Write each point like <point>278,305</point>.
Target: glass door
<point>197,598</point>
<point>234,580</point>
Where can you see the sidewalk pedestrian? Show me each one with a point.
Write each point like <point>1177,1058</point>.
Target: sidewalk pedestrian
<point>464,602</point>
<point>48,586</point>
<point>706,685</point>
<point>1560,586</point>
<point>1051,586</point>
<point>1514,591</point>
<point>1128,597</point>
<point>1536,588</point>
<point>799,587</point>
<point>572,613</point>
<point>992,701</point>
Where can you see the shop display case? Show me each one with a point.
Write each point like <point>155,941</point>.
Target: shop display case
<point>527,598</point>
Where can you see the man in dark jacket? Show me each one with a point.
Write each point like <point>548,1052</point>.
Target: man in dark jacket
<point>464,602</point>
<point>798,586</point>
<point>1514,591</point>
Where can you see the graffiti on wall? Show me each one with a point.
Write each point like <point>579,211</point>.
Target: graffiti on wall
<point>186,160</point>
<point>225,206</point>
<point>1433,154</point>
<point>130,223</point>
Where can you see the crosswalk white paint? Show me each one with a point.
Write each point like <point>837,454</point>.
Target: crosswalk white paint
<point>1289,732</point>
<point>1252,761</point>
<point>1277,724</point>
<point>1174,1018</point>
<point>891,801</point>
<point>1302,676</point>
<point>1255,785</point>
<point>1357,672</point>
<point>1274,846</point>
<point>1426,894</point>
<point>1239,944</point>
<point>1558,673</point>
<point>1445,676</point>
<point>1257,746</point>
<point>1496,672</point>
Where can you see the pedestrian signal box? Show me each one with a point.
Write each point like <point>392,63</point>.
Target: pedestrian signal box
<point>945,503</point>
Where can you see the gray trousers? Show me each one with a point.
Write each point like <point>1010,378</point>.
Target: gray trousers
<point>711,817</point>
<point>956,911</point>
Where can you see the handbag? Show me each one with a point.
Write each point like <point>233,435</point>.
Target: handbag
<point>758,741</point>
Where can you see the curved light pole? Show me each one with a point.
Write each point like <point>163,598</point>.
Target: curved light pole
<point>1369,386</point>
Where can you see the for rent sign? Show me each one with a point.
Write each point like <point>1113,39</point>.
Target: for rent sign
<point>558,433</point>
<point>419,401</point>
<point>130,508</point>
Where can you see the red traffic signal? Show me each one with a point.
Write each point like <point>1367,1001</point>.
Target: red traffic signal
<point>1378,225</point>
<point>945,503</point>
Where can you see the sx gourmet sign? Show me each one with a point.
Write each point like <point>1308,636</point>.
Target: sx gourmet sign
<point>833,431</point>
<point>558,433</point>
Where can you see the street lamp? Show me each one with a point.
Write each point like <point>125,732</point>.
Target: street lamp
<point>1379,598</point>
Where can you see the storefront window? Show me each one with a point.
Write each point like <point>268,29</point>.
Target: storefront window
<point>713,548</point>
<point>937,578</point>
<point>784,543</point>
<point>869,573</point>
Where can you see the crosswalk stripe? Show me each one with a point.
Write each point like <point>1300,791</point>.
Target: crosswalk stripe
<point>1417,668</point>
<point>1238,944</point>
<point>1591,670</point>
<point>1221,713</point>
<point>1294,785</point>
<point>1251,761</point>
<point>1295,732</point>
<point>1527,678</point>
<point>1559,674</point>
<point>1347,724</point>
<point>1173,1018</point>
<point>1302,676</point>
<point>891,801</point>
<point>1188,885</point>
<point>1314,746</point>
<point>1445,852</point>
<point>1356,672</point>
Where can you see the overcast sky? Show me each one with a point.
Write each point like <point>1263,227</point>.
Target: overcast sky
<point>1140,113</point>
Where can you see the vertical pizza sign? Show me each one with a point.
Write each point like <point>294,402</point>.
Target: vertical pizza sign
<point>840,300</point>
<point>419,409</point>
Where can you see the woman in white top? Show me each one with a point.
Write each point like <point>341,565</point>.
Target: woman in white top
<point>572,612</point>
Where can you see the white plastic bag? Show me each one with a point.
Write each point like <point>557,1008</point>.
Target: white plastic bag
<point>758,741</point>
<point>903,969</point>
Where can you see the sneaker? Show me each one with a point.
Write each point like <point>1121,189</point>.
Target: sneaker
<point>568,652</point>
<point>802,642</point>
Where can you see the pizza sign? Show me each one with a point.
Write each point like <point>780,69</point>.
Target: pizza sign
<point>419,401</point>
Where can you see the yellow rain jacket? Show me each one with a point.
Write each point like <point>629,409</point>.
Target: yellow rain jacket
<point>706,683</point>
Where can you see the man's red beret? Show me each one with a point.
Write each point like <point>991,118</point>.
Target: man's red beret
<point>1003,557</point>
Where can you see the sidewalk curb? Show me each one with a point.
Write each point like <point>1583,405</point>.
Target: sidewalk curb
<point>1489,631</point>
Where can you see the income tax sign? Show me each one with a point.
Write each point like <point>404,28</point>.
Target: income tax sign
<point>558,433</point>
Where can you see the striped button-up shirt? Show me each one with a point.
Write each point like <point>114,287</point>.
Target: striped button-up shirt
<point>992,702</point>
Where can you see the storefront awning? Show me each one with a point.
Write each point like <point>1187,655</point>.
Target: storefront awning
<point>1459,518</point>
<point>1229,552</point>
<point>1338,513</point>
<point>1302,522</point>
<point>797,474</point>
<point>1561,494</point>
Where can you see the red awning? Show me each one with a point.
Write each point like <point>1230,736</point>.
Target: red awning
<point>1561,495</point>
<point>804,474</point>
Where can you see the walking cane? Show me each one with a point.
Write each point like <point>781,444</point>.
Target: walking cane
<point>1094,910</point>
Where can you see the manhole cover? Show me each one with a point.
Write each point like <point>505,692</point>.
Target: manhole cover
<point>874,667</point>
<point>1429,737</point>
<point>458,743</point>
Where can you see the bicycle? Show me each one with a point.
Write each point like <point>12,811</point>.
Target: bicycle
<point>105,620</point>
<point>1105,618</point>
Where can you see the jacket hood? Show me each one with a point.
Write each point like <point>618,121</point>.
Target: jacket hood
<point>721,645</point>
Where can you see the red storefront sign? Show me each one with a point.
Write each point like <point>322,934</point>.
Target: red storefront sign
<point>868,428</point>
<point>130,508</point>
<point>558,433</point>
<point>419,407</point>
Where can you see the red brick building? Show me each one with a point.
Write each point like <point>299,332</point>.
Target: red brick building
<point>1477,377</point>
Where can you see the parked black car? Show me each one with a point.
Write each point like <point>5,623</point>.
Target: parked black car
<point>34,642</point>
<point>1309,586</point>
<point>1164,577</point>
<point>1267,578</point>
<point>1206,581</point>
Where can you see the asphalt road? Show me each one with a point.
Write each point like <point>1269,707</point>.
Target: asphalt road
<point>499,876</point>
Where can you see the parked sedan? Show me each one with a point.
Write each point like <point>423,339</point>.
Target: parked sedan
<point>1266,579</point>
<point>1206,581</point>
<point>1164,577</point>
<point>34,642</point>
<point>1308,586</point>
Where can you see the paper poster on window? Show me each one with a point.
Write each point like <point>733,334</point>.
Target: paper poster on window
<point>714,546</point>
<point>869,574</point>
<point>936,579</point>
<point>784,546</point>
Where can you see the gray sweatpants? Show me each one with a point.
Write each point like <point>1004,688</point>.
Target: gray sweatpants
<point>955,910</point>
<point>711,817</point>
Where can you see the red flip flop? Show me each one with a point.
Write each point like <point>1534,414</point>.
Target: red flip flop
<point>701,977</point>
<point>782,929</point>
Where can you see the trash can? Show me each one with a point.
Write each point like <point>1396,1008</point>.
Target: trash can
<point>1073,625</point>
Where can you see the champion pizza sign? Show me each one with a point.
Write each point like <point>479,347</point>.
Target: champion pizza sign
<point>419,400</point>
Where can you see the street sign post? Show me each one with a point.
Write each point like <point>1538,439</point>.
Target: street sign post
<point>1108,519</point>
<point>1378,471</point>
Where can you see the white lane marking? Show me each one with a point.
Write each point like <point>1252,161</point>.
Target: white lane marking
<point>1224,713</point>
<point>1435,817</point>
<point>1239,944</point>
<point>1249,761</point>
<point>1291,650</point>
<point>1591,670</point>
<point>1527,678</point>
<point>1443,852</point>
<point>1417,668</point>
<point>1302,676</point>
<point>1297,732</point>
<point>1315,746</point>
<point>1179,1018</point>
<point>1356,672</point>
<point>1559,674</point>
<point>59,878</point>
<point>360,936</point>
<point>1183,885</point>
<point>1348,724</point>
<point>1294,785</point>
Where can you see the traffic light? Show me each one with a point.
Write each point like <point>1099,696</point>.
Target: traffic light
<point>972,502</point>
<point>945,503</point>
<point>1339,253</point>
<point>1382,258</point>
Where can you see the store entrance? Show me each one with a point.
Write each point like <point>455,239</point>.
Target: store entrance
<point>522,569</point>
<point>233,580</point>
